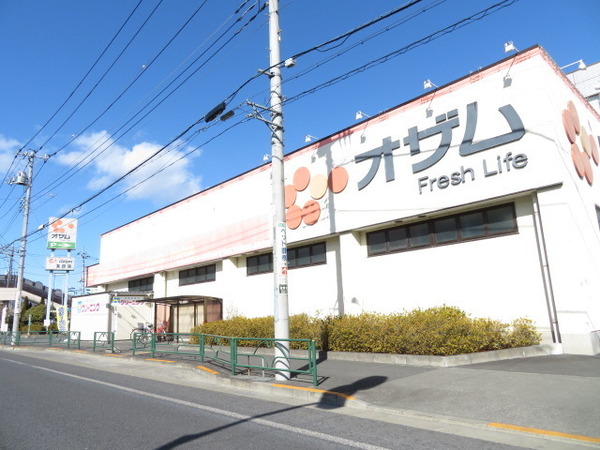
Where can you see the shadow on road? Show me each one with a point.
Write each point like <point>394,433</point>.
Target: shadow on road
<point>337,396</point>
<point>337,400</point>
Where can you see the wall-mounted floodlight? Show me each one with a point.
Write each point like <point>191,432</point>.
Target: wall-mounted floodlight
<point>309,137</point>
<point>581,65</point>
<point>510,47</point>
<point>428,84</point>
<point>360,115</point>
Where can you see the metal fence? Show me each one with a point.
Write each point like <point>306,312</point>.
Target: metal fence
<point>239,355</point>
<point>69,339</point>
<point>104,340</point>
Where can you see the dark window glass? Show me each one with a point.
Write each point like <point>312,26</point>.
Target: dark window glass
<point>265,263</point>
<point>598,215</point>
<point>259,264</point>
<point>419,234</point>
<point>318,253</point>
<point>141,284</point>
<point>472,225</point>
<point>307,255</point>
<point>397,239</point>
<point>292,259</point>
<point>501,220</point>
<point>197,275</point>
<point>303,256</point>
<point>445,230</point>
<point>376,242</point>
<point>462,227</point>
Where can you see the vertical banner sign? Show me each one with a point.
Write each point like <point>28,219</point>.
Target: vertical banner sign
<point>61,318</point>
<point>280,267</point>
<point>62,234</point>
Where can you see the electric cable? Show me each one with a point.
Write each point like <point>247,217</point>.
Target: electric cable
<point>55,184</point>
<point>385,58</point>
<point>86,75</point>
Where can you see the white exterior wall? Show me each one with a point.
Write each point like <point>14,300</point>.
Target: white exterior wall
<point>95,313</point>
<point>90,314</point>
<point>551,264</point>
<point>497,277</point>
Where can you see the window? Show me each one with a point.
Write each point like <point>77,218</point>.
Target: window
<point>141,284</point>
<point>197,275</point>
<point>445,230</point>
<point>259,264</point>
<point>308,255</point>
<point>598,214</point>
<point>489,222</point>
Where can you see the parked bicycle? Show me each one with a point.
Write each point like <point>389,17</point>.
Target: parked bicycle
<point>161,333</point>
<point>143,333</point>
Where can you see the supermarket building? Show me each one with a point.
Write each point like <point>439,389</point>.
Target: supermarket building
<point>482,194</point>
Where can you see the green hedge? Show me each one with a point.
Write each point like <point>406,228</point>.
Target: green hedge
<point>440,331</point>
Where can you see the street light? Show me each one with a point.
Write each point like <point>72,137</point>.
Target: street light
<point>581,65</point>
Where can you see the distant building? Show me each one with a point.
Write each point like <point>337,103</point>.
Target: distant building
<point>482,194</point>
<point>33,291</point>
<point>587,81</point>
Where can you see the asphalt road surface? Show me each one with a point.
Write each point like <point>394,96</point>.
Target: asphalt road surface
<point>49,403</point>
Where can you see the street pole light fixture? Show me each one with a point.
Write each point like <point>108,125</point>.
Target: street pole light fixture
<point>580,65</point>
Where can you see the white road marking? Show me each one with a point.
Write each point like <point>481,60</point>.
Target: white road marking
<point>233,415</point>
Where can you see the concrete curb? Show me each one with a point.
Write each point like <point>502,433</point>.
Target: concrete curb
<point>444,361</point>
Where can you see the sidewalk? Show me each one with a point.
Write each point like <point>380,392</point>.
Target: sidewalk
<point>546,395</point>
<point>554,392</point>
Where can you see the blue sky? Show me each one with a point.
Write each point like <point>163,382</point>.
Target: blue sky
<point>112,119</point>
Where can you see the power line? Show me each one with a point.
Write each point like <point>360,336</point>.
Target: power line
<point>91,158</point>
<point>89,93</point>
<point>429,38</point>
<point>461,23</point>
<point>85,76</point>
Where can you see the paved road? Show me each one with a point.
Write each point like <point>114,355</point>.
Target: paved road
<point>384,405</point>
<point>66,403</point>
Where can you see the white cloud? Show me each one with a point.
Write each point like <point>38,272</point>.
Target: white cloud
<point>157,182</point>
<point>8,149</point>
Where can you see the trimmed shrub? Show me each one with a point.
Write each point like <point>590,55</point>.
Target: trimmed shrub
<point>438,331</point>
<point>35,326</point>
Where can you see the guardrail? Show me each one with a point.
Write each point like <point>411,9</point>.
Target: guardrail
<point>50,338</point>
<point>235,353</point>
<point>7,337</point>
<point>105,340</point>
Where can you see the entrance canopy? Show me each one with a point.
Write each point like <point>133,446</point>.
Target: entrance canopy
<point>183,312</point>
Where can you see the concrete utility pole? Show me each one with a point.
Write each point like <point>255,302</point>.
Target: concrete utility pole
<point>280,266</point>
<point>23,179</point>
<point>11,255</point>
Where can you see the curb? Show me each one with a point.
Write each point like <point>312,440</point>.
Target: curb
<point>444,361</point>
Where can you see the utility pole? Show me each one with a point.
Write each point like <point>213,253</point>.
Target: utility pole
<point>83,280</point>
<point>280,265</point>
<point>11,255</point>
<point>23,179</point>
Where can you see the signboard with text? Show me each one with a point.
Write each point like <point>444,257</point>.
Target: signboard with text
<point>55,263</point>
<point>62,234</point>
